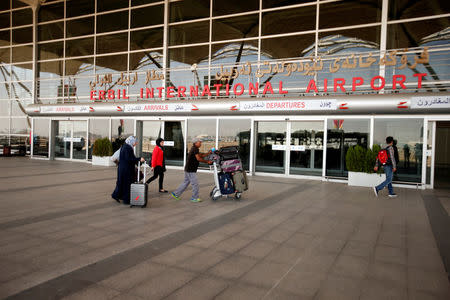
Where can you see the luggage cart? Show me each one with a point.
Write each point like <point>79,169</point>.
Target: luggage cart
<point>216,193</point>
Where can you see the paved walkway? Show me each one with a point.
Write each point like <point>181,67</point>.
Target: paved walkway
<point>63,237</point>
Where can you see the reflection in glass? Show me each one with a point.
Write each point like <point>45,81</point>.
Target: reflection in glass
<point>40,137</point>
<point>22,35</point>
<point>4,125</point>
<point>151,130</point>
<point>343,134</point>
<point>51,69</point>
<point>270,147</point>
<point>22,54</point>
<point>236,133</point>
<point>112,63</point>
<point>4,107</point>
<point>120,130</point>
<point>18,107</point>
<point>78,27</point>
<point>408,133</point>
<point>205,129</point>
<point>404,9</point>
<point>183,10</point>
<point>113,21</point>
<point>112,43</point>
<point>80,47</point>
<point>174,132</point>
<point>306,148</point>
<point>51,12</point>
<point>5,19</point>
<point>22,17</point>
<point>146,38</point>
<point>289,20</point>
<point>346,13</point>
<point>48,88</point>
<point>79,8</point>
<point>105,5</point>
<point>79,140</point>
<point>235,27</point>
<point>51,31</point>
<point>416,34</point>
<point>62,138</point>
<point>20,125</point>
<point>278,3</point>
<point>98,129</point>
<point>22,72</point>
<point>50,50</point>
<point>233,6</point>
<point>82,66</point>
<point>147,16</point>
<point>190,33</point>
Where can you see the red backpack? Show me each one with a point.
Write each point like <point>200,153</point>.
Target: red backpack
<point>383,156</point>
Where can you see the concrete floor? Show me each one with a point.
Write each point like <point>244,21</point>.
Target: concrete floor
<point>63,237</point>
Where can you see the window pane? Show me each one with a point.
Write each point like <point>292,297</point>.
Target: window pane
<point>187,56</point>
<point>221,7</point>
<point>278,3</point>
<point>404,9</point>
<point>4,105</point>
<point>48,89</point>
<point>4,90</point>
<point>416,34</point>
<point>205,129</point>
<point>22,17</point>
<point>51,69</point>
<point>76,8</point>
<point>270,139</point>
<point>147,38</point>
<point>120,130</point>
<point>5,39</point>
<point>77,88</point>
<point>22,72</point>
<point>309,135</point>
<point>18,107</point>
<point>356,39</point>
<point>50,50</point>
<point>147,16</point>
<point>104,5</point>
<point>79,27</point>
<point>112,22</point>
<point>345,13</point>
<point>143,62</point>
<point>20,54</point>
<point>236,133</point>
<point>408,134</point>
<point>19,126</point>
<point>286,47</point>
<point>51,12</point>
<point>4,125</point>
<point>289,20</point>
<point>83,66</point>
<point>4,20</point>
<point>4,5</point>
<point>18,3</point>
<point>40,137</point>
<point>112,63</point>
<point>22,35</point>
<point>80,47</point>
<point>174,131</point>
<point>343,134</point>
<point>235,28</point>
<point>143,2</point>
<point>51,31</point>
<point>184,10</point>
<point>98,129</point>
<point>112,43</point>
<point>189,33</point>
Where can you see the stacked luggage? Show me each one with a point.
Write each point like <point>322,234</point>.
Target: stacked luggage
<point>229,176</point>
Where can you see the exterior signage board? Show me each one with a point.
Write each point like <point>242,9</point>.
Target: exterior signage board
<point>433,102</point>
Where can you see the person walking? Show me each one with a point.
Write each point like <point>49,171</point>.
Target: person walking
<point>158,164</point>
<point>126,172</point>
<point>389,168</point>
<point>190,171</point>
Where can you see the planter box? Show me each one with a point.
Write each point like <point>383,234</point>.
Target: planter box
<point>365,179</point>
<point>102,161</point>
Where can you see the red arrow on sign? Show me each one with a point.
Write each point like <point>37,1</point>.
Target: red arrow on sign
<point>343,106</point>
<point>234,107</point>
<point>91,109</point>
<point>194,107</point>
<point>119,108</point>
<point>401,104</point>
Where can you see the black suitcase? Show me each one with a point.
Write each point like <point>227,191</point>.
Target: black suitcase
<point>138,191</point>
<point>230,152</point>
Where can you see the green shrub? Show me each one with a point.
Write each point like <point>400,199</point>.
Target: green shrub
<point>360,159</point>
<point>102,147</point>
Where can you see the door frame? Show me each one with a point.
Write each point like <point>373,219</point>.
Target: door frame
<point>53,135</point>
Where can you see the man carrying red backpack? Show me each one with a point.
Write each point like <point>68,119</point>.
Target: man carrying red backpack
<point>386,158</point>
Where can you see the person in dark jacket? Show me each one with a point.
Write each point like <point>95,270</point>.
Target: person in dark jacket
<point>126,172</point>
<point>389,168</point>
<point>158,164</point>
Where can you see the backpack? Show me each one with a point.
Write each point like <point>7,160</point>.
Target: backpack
<point>383,157</point>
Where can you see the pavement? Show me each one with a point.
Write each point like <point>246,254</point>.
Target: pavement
<point>63,237</point>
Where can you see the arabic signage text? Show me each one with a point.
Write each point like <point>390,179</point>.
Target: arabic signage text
<point>430,102</point>
<point>288,105</point>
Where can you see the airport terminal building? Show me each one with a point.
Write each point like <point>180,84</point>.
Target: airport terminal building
<point>294,83</point>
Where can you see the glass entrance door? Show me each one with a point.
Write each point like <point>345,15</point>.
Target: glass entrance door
<point>148,132</point>
<point>306,148</point>
<point>270,147</point>
<point>174,142</point>
<point>70,139</point>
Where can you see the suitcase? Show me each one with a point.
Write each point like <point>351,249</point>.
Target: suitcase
<point>138,191</point>
<point>226,184</point>
<point>230,152</point>
<point>240,181</point>
<point>231,165</point>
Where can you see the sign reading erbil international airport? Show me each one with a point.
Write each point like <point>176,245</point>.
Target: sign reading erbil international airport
<point>102,87</point>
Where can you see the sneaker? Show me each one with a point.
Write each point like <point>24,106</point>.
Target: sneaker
<point>194,200</point>
<point>375,191</point>
<point>175,196</point>
<point>392,195</point>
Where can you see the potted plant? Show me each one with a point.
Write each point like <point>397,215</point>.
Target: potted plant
<point>360,162</point>
<point>101,153</point>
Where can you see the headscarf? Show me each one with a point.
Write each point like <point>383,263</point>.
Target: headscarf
<point>158,142</point>
<point>131,140</point>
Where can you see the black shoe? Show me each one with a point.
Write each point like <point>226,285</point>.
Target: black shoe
<point>126,203</point>
<point>117,199</point>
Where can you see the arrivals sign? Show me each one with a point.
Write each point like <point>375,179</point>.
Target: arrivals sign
<point>102,87</point>
<point>64,109</point>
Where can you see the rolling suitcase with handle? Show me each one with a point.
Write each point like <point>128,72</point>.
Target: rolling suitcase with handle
<point>138,191</point>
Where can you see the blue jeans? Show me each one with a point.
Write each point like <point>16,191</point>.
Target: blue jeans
<point>189,178</point>
<point>388,181</point>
